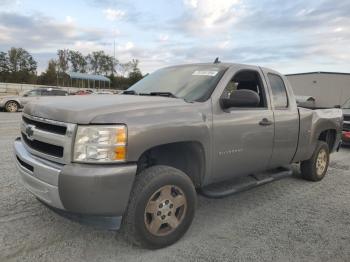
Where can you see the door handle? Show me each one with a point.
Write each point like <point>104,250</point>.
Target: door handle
<point>265,122</point>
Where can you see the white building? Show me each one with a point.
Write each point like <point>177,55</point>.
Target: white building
<point>328,89</point>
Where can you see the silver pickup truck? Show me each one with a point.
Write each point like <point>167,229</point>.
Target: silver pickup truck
<point>141,155</point>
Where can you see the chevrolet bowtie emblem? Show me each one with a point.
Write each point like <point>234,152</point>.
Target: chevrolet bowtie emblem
<point>30,131</point>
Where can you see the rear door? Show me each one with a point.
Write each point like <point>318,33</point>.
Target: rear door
<point>59,93</point>
<point>286,118</point>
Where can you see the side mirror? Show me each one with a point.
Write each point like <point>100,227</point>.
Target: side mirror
<point>241,98</point>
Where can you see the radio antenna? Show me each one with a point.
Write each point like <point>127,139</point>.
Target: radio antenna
<point>217,61</point>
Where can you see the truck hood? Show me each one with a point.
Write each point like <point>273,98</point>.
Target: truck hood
<point>346,111</point>
<point>92,109</point>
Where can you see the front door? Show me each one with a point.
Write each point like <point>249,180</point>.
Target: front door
<point>242,137</point>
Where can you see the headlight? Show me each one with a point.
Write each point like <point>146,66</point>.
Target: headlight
<point>100,144</point>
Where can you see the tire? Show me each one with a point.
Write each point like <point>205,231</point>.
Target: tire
<point>11,106</point>
<point>316,167</point>
<point>150,193</point>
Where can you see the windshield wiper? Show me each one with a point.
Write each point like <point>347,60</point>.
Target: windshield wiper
<point>166,94</point>
<point>129,92</point>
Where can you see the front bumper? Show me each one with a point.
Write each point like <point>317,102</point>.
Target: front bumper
<point>79,188</point>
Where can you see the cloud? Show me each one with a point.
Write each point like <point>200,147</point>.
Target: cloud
<point>206,16</point>
<point>39,32</point>
<point>113,14</point>
<point>316,28</point>
<point>125,47</point>
<point>9,2</point>
<point>42,35</point>
<point>290,36</point>
<point>70,19</point>
<point>163,37</point>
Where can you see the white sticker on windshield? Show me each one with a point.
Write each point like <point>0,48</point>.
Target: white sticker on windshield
<point>205,73</point>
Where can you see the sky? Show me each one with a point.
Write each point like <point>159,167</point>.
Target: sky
<point>288,36</point>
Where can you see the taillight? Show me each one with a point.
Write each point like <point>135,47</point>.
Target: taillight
<point>346,134</point>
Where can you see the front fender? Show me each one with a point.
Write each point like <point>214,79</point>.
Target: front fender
<point>178,126</point>
<point>152,127</point>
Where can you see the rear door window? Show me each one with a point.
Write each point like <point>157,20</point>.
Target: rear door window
<point>279,92</point>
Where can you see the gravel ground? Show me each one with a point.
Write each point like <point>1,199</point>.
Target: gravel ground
<point>288,220</point>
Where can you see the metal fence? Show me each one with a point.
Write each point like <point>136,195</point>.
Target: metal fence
<point>12,88</point>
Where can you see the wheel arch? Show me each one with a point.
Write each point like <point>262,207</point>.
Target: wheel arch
<point>187,156</point>
<point>329,136</point>
<point>327,131</point>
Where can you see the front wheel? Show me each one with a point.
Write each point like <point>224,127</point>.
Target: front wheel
<point>161,207</point>
<point>316,167</point>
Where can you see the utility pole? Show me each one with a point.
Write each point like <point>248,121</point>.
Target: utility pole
<point>114,49</point>
<point>113,62</point>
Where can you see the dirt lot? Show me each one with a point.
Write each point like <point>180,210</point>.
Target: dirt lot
<point>288,220</point>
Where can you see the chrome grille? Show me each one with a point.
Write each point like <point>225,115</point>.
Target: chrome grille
<point>346,123</point>
<point>50,127</point>
<point>346,126</point>
<point>49,139</point>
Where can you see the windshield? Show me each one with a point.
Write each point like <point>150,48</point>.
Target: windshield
<point>34,92</point>
<point>346,105</point>
<point>192,82</point>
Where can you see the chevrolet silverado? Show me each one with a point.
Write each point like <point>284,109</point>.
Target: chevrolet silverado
<point>143,155</point>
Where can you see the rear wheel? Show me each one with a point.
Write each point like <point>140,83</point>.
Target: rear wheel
<point>161,207</point>
<point>11,106</point>
<point>316,167</point>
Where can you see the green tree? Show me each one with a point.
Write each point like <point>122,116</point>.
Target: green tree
<point>77,61</point>
<point>49,77</point>
<point>107,65</point>
<point>20,60</point>
<point>4,70</point>
<point>135,75</point>
<point>62,65</point>
<point>134,63</point>
<point>125,68</point>
<point>21,66</point>
<point>101,63</point>
<point>63,60</point>
<point>94,60</point>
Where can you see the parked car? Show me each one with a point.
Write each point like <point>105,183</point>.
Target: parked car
<point>14,103</point>
<point>83,92</point>
<point>346,125</point>
<point>141,155</point>
<point>104,93</point>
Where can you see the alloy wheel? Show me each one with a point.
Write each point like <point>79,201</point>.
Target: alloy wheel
<point>165,210</point>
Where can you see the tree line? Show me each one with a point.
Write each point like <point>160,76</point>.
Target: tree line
<point>18,66</point>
